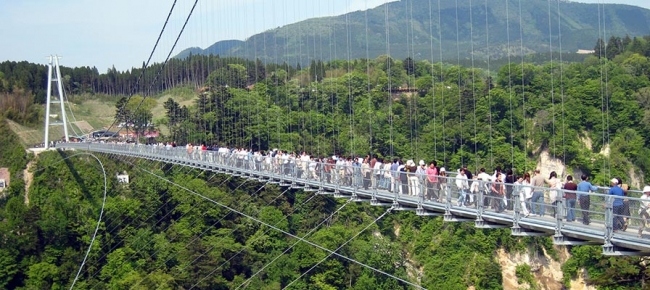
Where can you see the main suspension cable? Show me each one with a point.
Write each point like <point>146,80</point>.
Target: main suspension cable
<point>142,73</point>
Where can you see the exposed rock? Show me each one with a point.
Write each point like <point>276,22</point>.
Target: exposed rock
<point>635,180</point>
<point>605,150</point>
<point>586,140</point>
<point>546,271</point>
<point>29,177</point>
<point>547,164</point>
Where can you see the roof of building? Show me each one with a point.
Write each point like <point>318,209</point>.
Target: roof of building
<point>4,174</point>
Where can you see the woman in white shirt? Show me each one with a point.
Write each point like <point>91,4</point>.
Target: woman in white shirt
<point>643,210</point>
<point>473,189</point>
<point>386,177</point>
<point>462,185</point>
<point>554,184</point>
<point>525,193</point>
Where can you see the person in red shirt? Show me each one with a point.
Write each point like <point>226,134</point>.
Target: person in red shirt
<point>570,197</point>
<point>432,181</point>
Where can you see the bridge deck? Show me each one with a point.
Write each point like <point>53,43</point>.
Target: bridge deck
<point>348,183</point>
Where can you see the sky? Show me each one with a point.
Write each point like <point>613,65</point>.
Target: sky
<point>122,33</point>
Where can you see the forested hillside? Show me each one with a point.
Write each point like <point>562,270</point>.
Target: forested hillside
<point>456,115</point>
<point>498,117</point>
<point>594,115</point>
<point>441,30</point>
<point>157,235</point>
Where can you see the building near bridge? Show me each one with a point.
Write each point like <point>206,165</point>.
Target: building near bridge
<point>5,177</point>
<point>585,51</point>
<point>123,178</point>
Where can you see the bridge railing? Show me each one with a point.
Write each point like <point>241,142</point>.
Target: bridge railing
<point>596,209</point>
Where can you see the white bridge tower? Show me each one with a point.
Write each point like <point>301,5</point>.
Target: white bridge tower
<point>54,75</point>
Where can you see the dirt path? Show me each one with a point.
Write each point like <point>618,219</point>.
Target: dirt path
<point>28,177</point>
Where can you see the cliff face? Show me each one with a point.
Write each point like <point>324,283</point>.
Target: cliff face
<point>546,271</point>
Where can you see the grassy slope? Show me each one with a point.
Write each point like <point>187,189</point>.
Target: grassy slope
<point>98,112</point>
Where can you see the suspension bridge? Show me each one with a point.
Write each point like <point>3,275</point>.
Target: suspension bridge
<point>600,230</point>
<point>595,222</point>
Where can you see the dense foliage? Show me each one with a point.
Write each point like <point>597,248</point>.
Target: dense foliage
<point>157,235</point>
<point>32,78</point>
<point>13,157</point>
<point>457,115</point>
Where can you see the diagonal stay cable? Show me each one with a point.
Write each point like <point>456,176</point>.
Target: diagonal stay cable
<point>162,67</point>
<point>266,231</point>
<point>143,222</point>
<point>201,234</point>
<point>165,229</point>
<point>295,243</point>
<point>108,232</point>
<point>212,247</point>
<point>341,246</point>
<point>281,230</point>
<point>120,158</point>
<point>233,230</point>
<point>139,238</point>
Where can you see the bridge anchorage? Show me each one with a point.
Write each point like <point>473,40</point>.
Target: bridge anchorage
<point>485,210</point>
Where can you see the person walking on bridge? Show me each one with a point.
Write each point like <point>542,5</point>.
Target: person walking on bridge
<point>643,210</point>
<point>584,187</point>
<point>617,191</point>
<point>394,175</point>
<point>463,187</point>
<point>570,197</point>
<point>537,201</point>
<point>554,184</point>
<point>411,168</point>
<point>484,186</point>
<point>189,149</point>
<point>432,181</point>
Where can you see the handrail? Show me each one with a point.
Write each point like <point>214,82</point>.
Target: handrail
<point>602,216</point>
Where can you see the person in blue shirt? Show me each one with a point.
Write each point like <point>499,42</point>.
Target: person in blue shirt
<point>584,187</point>
<point>617,205</point>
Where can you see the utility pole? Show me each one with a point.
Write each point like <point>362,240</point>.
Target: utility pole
<point>54,75</point>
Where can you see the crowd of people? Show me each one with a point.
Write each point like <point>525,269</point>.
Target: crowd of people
<point>499,191</point>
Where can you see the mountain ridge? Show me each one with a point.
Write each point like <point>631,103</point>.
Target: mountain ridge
<point>415,30</point>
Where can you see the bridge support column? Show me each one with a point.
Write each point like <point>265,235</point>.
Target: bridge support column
<point>516,230</point>
<point>479,222</point>
<point>608,248</point>
<point>53,68</point>
<point>376,202</point>
<point>421,211</point>
<point>448,216</point>
<point>559,214</point>
<point>397,206</point>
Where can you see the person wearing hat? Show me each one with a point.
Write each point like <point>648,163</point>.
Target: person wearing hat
<point>643,210</point>
<point>617,191</point>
